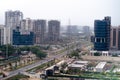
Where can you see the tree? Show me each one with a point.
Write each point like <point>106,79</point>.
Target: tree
<point>47,48</point>
<point>3,49</point>
<point>9,49</point>
<point>75,54</point>
<point>41,54</point>
<point>38,53</point>
<point>25,48</point>
<point>34,49</point>
<point>64,65</point>
<point>18,51</point>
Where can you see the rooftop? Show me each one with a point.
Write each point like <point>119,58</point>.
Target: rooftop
<point>80,62</point>
<point>75,65</point>
<point>101,65</point>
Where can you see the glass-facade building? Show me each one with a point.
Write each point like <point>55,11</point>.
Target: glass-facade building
<point>23,38</point>
<point>102,34</point>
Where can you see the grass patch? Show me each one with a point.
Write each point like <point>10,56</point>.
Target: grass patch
<point>1,73</point>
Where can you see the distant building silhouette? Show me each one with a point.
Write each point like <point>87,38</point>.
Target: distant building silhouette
<point>53,31</point>
<point>39,29</point>
<point>72,29</point>
<point>87,33</point>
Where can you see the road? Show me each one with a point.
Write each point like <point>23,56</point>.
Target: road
<point>13,73</point>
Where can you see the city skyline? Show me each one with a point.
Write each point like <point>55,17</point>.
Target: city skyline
<point>80,12</point>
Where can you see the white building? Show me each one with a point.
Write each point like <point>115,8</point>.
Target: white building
<point>102,53</point>
<point>12,20</point>
<point>8,35</point>
<point>26,24</point>
<point>78,65</point>
<point>5,35</point>
<point>100,67</point>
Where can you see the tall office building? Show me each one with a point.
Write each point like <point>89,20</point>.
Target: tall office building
<point>53,31</point>
<point>115,38</point>
<point>39,29</point>
<point>8,35</point>
<point>102,34</point>
<point>2,36</point>
<point>12,20</point>
<point>26,24</point>
<point>118,38</point>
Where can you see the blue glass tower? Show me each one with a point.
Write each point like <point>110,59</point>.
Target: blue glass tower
<point>102,34</point>
<point>25,38</point>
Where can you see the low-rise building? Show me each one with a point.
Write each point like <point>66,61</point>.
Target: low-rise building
<point>78,65</point>
<point>100,67</point>
<point>101,53</point>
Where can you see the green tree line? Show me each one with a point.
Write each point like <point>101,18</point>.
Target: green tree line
<point>10,50</point>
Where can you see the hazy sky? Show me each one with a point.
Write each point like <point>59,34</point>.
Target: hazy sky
<point>80,12</point>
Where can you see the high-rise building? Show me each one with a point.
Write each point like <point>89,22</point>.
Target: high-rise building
<point>39,29</point>
<point>12,20</point>
<point>2,35</point>
<point>72,29</point>
<point>118,38</point>
<point>26,24</point>
<point>8,35</point>
<point>53,30</point>
<point>102,34</point>
<point>115,38</point>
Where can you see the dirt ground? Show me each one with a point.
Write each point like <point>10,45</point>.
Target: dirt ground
<point>102,58</point>
<point>34,79</point>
